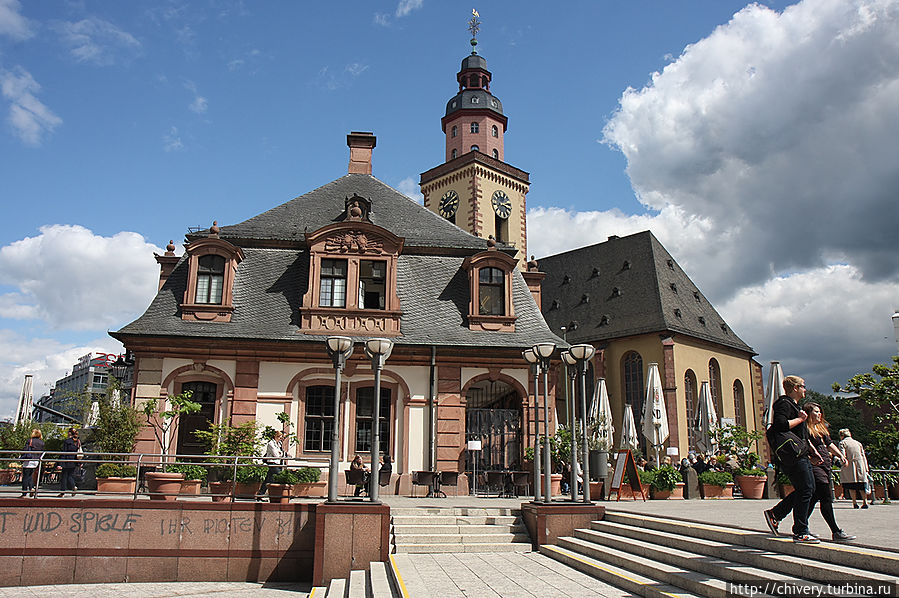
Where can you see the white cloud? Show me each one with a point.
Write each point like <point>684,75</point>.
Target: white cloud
<point>30,118</point>
<point>407,6</point>
<point>410,189</point>
<point>12,23</point>
<point>97,41</point>
<point>172,141</point>
<point>70,278</point>
<point>779,130</point>
<point>355,69</point>
<point>382,19</point>
<point>199,103</point>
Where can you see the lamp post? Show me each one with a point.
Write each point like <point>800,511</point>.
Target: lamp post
<point>569,360</point>
<point>544,351</point>
<point>582,354</point>
<point>339,350</point>
<point>531,358</point>
<point>378,350</point>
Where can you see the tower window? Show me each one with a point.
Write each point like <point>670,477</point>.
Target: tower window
<point>495,131</point>
<point>455,153</point>
<point>474,100</point>
<point>210,279</point>
<point>475,148</point>
<point>333,284</point>
<point>475,128</point>
<point>455,130</point>
<point>496,154</point>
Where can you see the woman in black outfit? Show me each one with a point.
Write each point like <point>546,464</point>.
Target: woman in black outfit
<point>820,439</point>
<point>70,448</point>
<point>31,455</point>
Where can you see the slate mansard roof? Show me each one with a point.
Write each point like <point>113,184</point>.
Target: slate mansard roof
<point>270,282</point>
<point>653,294</point>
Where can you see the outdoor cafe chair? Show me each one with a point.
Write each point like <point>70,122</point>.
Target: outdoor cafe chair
<point>354,477</point>
<point>496,481</point>
<point>426,478</point>
<point>449,478</point>
<point>521,479</point>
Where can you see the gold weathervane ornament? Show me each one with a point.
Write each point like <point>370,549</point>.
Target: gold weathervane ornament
<point>474,25</point>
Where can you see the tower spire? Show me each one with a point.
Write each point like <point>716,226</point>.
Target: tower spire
<point>474,25</point>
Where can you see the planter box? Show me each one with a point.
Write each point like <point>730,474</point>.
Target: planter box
<point>247,490</point>
<point>190,487</point>
<point>310,489</point>
<point>220,491</point>
<point>752,486</point>
<point>676,494</point>
<point>718,492</point>
<point>116,485</point>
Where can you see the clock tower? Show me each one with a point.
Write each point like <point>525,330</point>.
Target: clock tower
<point>474,188</point>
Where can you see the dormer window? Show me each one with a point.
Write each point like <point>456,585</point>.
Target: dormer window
<point>372,288</point>
<point>491,292</point>
<point>332,291</point>
<point>212,266</point>
<point>490,281</point>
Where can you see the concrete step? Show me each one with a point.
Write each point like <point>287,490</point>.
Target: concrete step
<point>460,529</point>
<point>337,588</point>
<point>455,511</point>
<point>848,555</point>
<point>435,548</point>
<point>318,592</point>
<point>431,520</point>
<point>755,557</point>
<point>406,577</point>
<point>357,586</point>
<point>406,539</point>
<point>379,585</point>
<point>635,583</point>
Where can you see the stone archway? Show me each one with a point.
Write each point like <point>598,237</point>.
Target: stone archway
<point>493,415</point>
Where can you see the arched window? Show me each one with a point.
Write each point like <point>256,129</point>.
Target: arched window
<point>633,379</point>
<point>455,153</point>
<point>690,396</point>
<point>491,301</point>
<point>715,386</point>
<point>455,130</point>
<point>475,128</point>
<point>496,154</point>
<point>739,412</point>
<point>475,148</point>
<point>495,131</point>
<point>210,279</point>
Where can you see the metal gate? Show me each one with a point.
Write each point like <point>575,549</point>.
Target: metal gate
<point>499,431</point>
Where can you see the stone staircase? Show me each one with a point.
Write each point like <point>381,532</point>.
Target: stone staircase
<point>379,581</point>
<point>458,529</point>
<point>657,557</point>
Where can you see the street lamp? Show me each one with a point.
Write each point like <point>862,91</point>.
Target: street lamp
<point>570,361</point>
<point>531,358</point>
<point>339,350</point>
<point>378,350</point>
<point>582,354</point>
<point>544,351</point>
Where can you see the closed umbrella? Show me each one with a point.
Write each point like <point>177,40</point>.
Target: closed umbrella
<point>706,421</point>
<point>601,416</point>
<point>628,430</point>
<point>775,389</point>
<point>655,417</point>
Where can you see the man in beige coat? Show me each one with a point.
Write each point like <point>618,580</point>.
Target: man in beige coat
<point>854,473</point>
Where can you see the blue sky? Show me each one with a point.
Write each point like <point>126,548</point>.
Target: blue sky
<point>756,141</point>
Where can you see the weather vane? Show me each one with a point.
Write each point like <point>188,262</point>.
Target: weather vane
<point>474,25</point>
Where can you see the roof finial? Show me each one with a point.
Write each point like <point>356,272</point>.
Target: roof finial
<point>474,26</point>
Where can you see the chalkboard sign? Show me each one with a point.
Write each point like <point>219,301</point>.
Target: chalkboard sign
<point>624,462</point>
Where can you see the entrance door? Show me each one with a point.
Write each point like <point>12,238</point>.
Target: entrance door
<point>203,393</point>
<point>493,416</point>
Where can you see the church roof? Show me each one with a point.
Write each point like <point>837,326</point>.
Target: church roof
<point>624,287</point>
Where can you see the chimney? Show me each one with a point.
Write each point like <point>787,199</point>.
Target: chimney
<point>361,144</point>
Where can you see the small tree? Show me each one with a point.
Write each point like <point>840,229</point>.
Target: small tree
<point>881,393</point>
<point>117,424</point>
<point>162,421</point>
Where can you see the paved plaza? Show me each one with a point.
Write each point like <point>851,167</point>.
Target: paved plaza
<point>507,575</point>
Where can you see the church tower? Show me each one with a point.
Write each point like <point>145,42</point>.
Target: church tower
<point>474,188</point>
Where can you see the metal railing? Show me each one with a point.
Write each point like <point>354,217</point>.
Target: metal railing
<point>49,470</point>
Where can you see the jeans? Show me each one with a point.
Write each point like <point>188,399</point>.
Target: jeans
<point>269,475</point>
<point>823,495</point>
<point>800,498</point>
<point>67,479</point>
<point>28,474</point>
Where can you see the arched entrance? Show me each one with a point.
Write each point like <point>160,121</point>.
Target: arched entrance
<point>204,393</point>
<point>493,416</point>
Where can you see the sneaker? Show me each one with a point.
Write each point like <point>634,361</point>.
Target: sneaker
<point>865,506</point>
<point>806,539</point>
<point>842,536</point>
<point>772,522</point>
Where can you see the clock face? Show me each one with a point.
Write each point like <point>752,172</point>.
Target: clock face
<point>502,205</point>
<point>449,203</point>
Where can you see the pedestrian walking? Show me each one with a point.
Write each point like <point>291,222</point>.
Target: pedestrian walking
<point>794,455</point>
<point>31,461</point>
<point>274,458</point>
<point>821,441</point>
<point>854,472</point>
<point>71,446</point>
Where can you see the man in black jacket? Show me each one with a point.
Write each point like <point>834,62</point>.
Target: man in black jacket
<point>788,426</point>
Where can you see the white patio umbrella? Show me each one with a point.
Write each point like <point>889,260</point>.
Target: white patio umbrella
<point>628,430</point>
<point>655,417</point>
<point>706,421</point>
<point>775,389</point>
<point>601,415</point>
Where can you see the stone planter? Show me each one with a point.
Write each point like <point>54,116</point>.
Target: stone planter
<point>316,489</point>
<point>718,492</point>
<point>279,493</point>
<point>190,487</point>
<point>247,490</point>
<point>163,486</point>
<point>220,491</point>
<point>116,485</point>
<point>752,486</point>
<point>676,494</point>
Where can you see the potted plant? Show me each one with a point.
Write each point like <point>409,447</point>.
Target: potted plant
<point>309,483</point>
<point>163,484</point>
<point>558,451</point>
<point>716,484</point>
<point>194,475</point>
<point>666,482</point>
<point>116,477</point>
<point>226,443</point>
<point>249,479</point>
<point>737,441</point>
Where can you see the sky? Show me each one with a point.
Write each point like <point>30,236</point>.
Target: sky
<point>758,142</point>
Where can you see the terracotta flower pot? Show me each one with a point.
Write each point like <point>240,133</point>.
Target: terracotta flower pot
<point>191,487</point>
<point>279,493</point>
<point>116,485</point>
<point>752,486</point>
<point>596,490</point>
<point>555,483</point>
<point>718,492</point>
<point>676,494</point>
<point>162,485</point>
<point>310,489</point>
<point>220,491</point>
<point>247,490</point>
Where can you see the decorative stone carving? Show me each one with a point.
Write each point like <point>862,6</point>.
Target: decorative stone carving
<point>353,241</point>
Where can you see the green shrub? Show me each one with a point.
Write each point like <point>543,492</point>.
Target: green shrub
<point>309,475</point>
<point>287,476</point>
<point>191,471</point>
<point>665,478</point>
<point>116,470</point>
<point>715,478</point>
<point>752,471</point>
<point>250,474</point>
